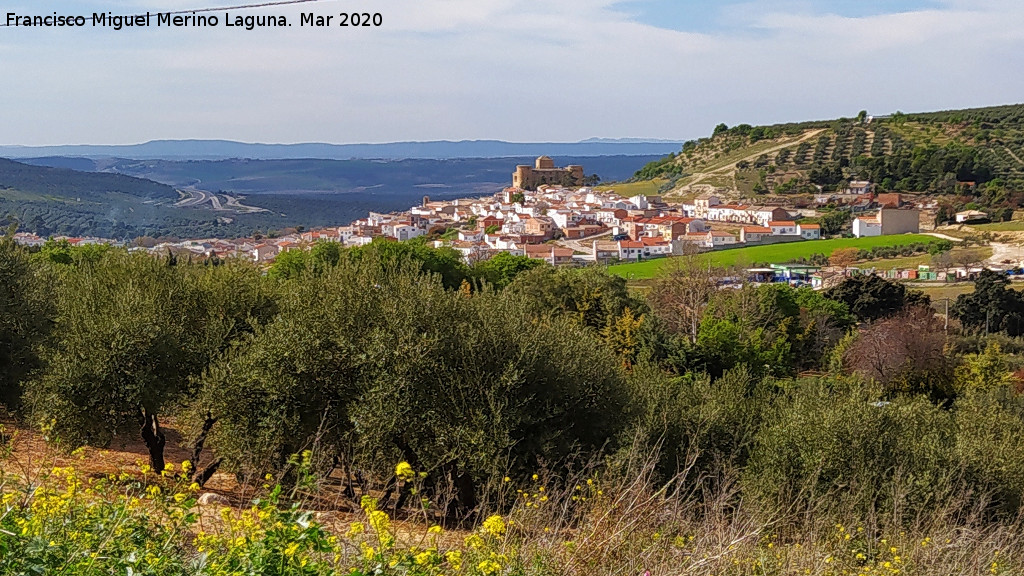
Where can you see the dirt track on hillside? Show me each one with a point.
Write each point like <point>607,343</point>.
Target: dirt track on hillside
<point>732,167</point>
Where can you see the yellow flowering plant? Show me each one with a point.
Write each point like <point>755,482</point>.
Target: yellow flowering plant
<point>147,524</point>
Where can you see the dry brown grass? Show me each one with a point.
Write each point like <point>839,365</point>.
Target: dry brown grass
<point>589,522</point>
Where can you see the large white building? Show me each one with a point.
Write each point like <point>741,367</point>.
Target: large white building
<point>888,221</point>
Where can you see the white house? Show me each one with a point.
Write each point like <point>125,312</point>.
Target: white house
<point>360,240</point>
<point>864,226</point>
<point>646,247</point>
<point>471,235</point>
<point>345,233</point>
<point>564,218</point>
<point>264,252</point>
<point>721,238</point>
<point>630,249</point>
<point>859,187</point>
<point>783,228</point>
<point>703,204</point>
<point>970,216</point>
<point>809,231</point>
<point>754,233</point>
<point>407,231</point>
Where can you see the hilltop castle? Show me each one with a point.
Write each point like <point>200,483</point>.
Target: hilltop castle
<point>545,172</point>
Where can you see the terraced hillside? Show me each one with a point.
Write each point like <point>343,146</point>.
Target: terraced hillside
<point>977,152</point>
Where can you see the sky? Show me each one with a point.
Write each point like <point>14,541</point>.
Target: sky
<point>517,70</point>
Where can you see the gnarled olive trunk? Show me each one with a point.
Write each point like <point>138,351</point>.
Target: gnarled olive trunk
<point>155,441</point>
<point>201,476</point>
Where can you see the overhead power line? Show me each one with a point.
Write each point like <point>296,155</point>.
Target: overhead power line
<point>220,8</point>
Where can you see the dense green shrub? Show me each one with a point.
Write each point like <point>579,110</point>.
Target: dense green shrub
<point>835,446</point>
<point>24,319</point>
<point>372,364</point>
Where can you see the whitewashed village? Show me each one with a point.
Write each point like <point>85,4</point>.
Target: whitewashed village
<point>547,214</point>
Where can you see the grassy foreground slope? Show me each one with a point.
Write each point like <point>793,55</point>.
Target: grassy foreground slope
<point>773,254</point>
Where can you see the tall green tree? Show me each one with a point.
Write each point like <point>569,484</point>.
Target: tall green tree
<point>504,267</point>
<point>834,222</point>
<point>591,296</point>
<point>24,319</point>
<point>992,307</point>
<point>447,262</point>
<point>871,297</point>
<point>132,331</point>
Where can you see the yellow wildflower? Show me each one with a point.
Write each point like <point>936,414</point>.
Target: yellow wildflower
<point>454,558</point>
<point>488,567</point>
<point>380,521</point>
<point>404,471</point>
<point>355,529</point>
<point>495,526</point>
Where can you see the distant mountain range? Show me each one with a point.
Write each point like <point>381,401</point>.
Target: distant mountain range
<point>116,197</point>
<point>437,150</point>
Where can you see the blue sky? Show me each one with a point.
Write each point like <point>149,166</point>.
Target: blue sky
<point>709,16</point>
<point>522,70</point>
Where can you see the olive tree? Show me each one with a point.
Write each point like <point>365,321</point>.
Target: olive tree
<point>24,319</point>
<point>131,333</point>
<point>370,364</point>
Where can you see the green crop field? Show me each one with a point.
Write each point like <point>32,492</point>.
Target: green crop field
<point>772,254</point>
<point>630,189</point>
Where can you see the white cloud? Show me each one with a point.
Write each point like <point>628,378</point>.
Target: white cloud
<point>511,69</point>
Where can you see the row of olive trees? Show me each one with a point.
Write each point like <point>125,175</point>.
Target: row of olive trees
<point>378,364</point>
<point>368,359</point>
<point>373,356</point>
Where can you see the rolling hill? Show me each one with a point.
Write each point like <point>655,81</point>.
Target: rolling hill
<point>52,201</point>
<point>128,197</point>
<point>974,152</point>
